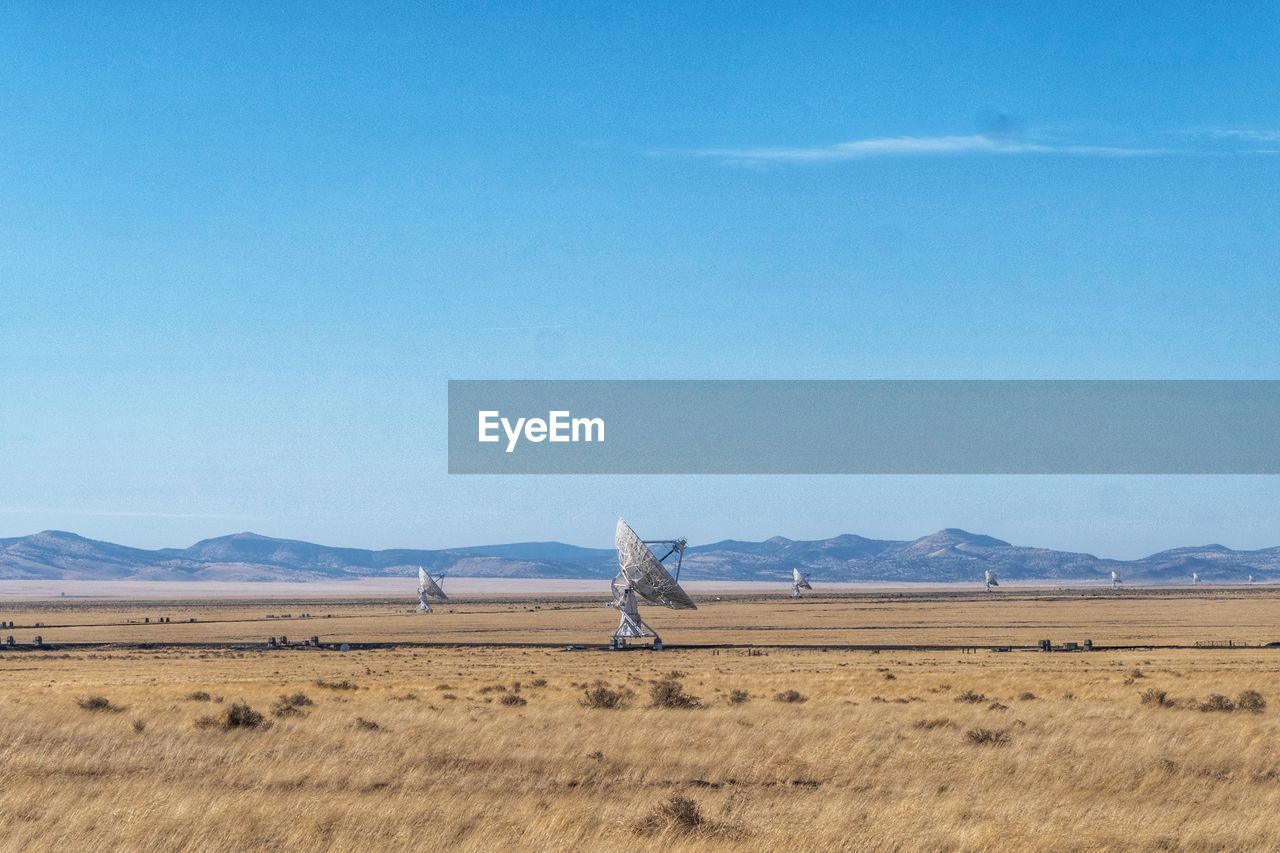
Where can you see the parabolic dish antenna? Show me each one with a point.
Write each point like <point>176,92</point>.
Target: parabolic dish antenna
<point>643,575</point>
<point>429,590</point>
<point>1115,580</point>
<point>990,579</point>
<point>798,582</point>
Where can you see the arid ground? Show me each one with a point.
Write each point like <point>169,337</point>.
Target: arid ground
<point>162,748</point>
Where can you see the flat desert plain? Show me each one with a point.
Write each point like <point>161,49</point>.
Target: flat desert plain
<point>185,735</point>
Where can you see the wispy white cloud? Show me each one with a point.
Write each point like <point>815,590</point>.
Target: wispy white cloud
<point>921,146</point>
<point>1237,135</point>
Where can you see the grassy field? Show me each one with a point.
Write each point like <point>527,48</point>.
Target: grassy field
<point>1223,614</point>
<point>479,749</point>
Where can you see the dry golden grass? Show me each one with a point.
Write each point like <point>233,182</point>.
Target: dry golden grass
<point>881,755</point>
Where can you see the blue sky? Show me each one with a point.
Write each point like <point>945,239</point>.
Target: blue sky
<point>243,250</point>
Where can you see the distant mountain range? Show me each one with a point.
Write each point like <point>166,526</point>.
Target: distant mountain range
<point>948,555</point>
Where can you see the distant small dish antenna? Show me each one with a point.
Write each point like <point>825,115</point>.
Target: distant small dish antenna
<point>798,582</point>
<point>989,578</point>
<point>1250,578</point>
<point>642,574</point>
<point>429,590</point>
<point>1115,580</point>
<point>1195,577</point>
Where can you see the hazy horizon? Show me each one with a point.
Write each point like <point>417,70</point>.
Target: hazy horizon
<point>608,545</point>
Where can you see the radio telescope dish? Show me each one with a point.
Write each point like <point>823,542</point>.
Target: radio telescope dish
<point>1250,578</point>
<point>1115,580</point>
<point>642,574</point>
<point>798,582</point>
<point>989,578</point>
<point>429,589</point>
<point>1195,577</point>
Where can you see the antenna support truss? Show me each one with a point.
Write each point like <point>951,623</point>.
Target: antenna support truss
<point>674,546</point>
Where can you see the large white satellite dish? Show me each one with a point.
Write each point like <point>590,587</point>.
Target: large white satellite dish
<point>1195,577</point>
<point>798,582</point>
<point>642,574</point>
<point>989,578</point>
<point>429,589</point>
<point>1115,579</point>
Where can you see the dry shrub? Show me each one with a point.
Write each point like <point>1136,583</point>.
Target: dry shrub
<point>199,696</point>
<point>987,737</point>
<point>367,725</point>
<point>937,723</point>
<point>1027,696</point>
<point>1217,702</point>
<point>513,699</point>
<point>679,814</point>
<point>1251,701</point>
<point>238,716</point>
<point>1156,698</point>
<point>337,685</point>
<point>790,696</point>
<point>605,697</point>
<point>996,706</point>
<point>97,703</point>
<point>738,697</point>
<point>971,697</point>
<point>291,706</point>
<point>241,716</point>
<point>669,693</point>
<point>139,726</point>
<point>538,682</point>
